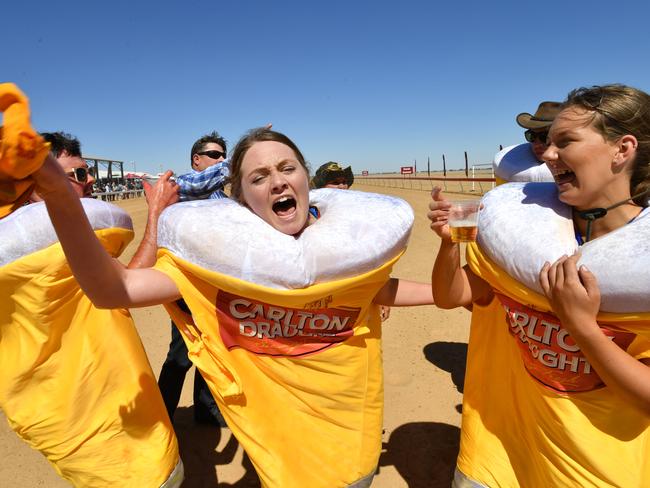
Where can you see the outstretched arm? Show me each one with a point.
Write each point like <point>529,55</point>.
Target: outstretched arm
<point>404,293</point>
<point>575,298</point>
<point>106,282</point>
<point>159,197</point>
<point>453,286</point>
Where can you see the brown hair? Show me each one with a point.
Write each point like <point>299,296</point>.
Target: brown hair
<point>245,143</point>
<point>619,110</point>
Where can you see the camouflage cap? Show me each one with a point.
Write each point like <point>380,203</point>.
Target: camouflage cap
<point>329,172</point>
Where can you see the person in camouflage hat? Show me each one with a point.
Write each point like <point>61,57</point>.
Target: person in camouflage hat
<point>332,175</point>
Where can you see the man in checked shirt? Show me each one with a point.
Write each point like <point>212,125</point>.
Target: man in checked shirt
<point>210,170</point>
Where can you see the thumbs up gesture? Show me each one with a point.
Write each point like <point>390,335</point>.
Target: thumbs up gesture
<point>439,214</point>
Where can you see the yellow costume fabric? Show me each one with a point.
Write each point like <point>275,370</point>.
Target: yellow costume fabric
<point>297,373</point>
<point>534,412</point>
<point>22,149</point>
<point>76,384</point>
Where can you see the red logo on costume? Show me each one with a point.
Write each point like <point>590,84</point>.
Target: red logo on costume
<point>549,353</point>
<point>262,328</point>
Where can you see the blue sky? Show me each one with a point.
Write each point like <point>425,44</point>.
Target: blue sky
<point>372,84</point>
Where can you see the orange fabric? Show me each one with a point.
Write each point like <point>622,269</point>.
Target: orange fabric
<point>22,149</point>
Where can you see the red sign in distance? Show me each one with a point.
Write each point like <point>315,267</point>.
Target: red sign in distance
<point>407,170</point>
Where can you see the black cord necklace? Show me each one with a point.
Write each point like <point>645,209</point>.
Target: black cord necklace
<point>590,215</point>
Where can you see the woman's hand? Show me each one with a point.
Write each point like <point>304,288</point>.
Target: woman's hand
<point>439,214</point>
<point>575,298</point>
<point>573,293</point>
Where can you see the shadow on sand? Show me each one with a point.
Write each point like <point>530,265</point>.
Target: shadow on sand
<point>424,453</point>
<point>451,357</point>
<point>198,444</point>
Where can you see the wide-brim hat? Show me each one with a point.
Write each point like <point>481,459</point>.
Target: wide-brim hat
<point>329,172</point>
<point>543,117</point>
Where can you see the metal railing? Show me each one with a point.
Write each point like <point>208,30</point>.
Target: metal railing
<point>110,196</point>
<point>477,186</point>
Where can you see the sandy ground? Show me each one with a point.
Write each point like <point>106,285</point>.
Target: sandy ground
<point>424,361</point>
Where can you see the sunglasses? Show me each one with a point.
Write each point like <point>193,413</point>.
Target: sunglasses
<point>212,154</point>
<point>80,174</point>
<point>531,136</point>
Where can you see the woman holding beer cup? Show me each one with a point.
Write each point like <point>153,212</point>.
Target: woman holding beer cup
<point>557,389</point>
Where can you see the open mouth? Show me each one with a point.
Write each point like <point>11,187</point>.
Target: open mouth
<point>284,206</point>
<point>563,176</point>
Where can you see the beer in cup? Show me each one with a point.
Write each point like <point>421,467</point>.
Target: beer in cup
<point>463,219</point>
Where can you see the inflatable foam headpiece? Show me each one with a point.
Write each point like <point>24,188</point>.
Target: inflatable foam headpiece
<point>76,384</point>
<point>284,329</point>
<point>524,225</point>
<point>519,164</point>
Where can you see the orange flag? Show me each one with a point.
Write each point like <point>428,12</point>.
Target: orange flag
<point>22,149</point>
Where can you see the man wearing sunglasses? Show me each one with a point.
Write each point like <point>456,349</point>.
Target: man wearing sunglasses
<point>67,150</point>
<point>524,162</point>
<point>72,361</point>
<point>537,126</point>
<point>210,170</point>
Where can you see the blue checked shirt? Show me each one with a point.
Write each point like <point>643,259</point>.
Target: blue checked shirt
<point>208,183</point>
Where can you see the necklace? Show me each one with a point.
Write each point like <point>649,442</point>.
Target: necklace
<point>592,214</point>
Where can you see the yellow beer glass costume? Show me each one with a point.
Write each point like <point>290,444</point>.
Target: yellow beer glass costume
<point>534,411</point>
<point>22,149</point>
<point>76,383</point>
<point>285,332</point>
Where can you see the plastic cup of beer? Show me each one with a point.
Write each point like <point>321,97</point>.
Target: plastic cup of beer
<point>463,220</point>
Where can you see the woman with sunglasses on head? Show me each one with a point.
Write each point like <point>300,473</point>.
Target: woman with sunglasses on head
<point>284,288</point>
<point>557,390</point>
<point>524,162</point>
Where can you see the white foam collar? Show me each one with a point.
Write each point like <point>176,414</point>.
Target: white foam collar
<point>29,229</point>
<point>356,233</point>
<point>523,225</point>
<point>518,163</point>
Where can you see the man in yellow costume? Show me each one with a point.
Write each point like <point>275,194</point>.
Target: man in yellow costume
<point>76,384</point>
